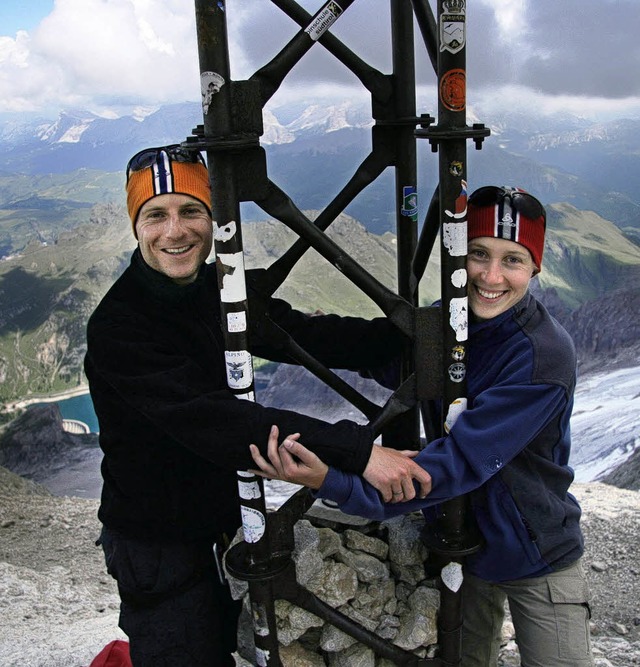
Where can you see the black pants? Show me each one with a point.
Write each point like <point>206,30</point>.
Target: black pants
<point>173,608</point>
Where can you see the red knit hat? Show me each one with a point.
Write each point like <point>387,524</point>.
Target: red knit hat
<point>508,213</point>
<point>165,170</point>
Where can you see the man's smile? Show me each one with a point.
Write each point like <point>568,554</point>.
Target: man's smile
<point>178,251</point>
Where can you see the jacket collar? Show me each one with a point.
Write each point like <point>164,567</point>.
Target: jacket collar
<point>501,326</point>
<point>161,287</point>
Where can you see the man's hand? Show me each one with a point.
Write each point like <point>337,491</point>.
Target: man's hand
<point>392,472</point>
<point>291,462</point>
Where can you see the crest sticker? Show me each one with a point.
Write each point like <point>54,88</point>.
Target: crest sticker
<point>239,369</point>
<point>452,26</point>
<point>409,202</point>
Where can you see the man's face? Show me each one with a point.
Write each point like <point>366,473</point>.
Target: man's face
<point>498,273</point>
<point>175,235</point>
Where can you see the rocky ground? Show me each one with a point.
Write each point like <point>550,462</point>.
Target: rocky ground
<point>58,607</point>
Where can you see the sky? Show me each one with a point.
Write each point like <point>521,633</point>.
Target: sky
<point>114,57</point>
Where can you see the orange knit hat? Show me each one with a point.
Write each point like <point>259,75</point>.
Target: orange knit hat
<point>165,170</point>
<point>508,213</point>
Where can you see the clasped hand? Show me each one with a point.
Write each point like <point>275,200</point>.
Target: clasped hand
<point>392,472</point>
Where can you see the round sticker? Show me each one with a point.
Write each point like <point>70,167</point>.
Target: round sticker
<point>453,90</point>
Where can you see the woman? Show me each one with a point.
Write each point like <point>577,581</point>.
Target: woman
<point>509,451</point>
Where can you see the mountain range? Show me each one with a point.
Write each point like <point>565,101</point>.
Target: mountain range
<point>80,158</point>
<point>65,235</point>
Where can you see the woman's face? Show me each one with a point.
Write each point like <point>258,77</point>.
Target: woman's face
<point>498,273</point>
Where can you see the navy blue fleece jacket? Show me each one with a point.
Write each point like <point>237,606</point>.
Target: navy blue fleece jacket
<point>509,450</point>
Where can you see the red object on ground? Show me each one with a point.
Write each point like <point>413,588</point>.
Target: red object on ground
<point>114,654</point>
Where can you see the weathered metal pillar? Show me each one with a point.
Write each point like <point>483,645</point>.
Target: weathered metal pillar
<point>222,146</point>
<point>453,539</point>
<point>404,432</point>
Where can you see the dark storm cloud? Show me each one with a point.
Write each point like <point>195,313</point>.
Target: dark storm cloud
<point>592,47</point>
<point>572,47</point>
<point>262,30</point>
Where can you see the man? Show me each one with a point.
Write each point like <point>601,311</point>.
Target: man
<point>509,451</point>
<point>173,434</point>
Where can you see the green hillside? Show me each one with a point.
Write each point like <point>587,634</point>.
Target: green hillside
<point>46,295</point>
<point>586,256</point>
<point>48,290</point>
<point>41,207</point>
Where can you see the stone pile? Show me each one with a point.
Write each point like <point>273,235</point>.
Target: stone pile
<point>372,572</point>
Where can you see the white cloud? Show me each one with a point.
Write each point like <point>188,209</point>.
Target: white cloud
<point>105,55</point>
<point>510,17</point>
<point>94,52</point>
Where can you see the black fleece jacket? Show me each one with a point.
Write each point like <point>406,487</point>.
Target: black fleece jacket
<point>172,434</point>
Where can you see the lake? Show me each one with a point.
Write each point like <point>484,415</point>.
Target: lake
<point>80,408</point>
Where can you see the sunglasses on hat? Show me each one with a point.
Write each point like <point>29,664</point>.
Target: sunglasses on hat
<point>149,156</point>
<point>520,200</point>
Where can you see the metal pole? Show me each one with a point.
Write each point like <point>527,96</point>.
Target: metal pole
<point>452,538</point>
<point>215,80</point>
<point>404,432</point>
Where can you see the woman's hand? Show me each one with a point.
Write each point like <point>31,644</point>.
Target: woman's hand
<point>290,462</point>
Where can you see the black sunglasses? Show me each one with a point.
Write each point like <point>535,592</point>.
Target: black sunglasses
<point>174,152</point>
<point>522,202</point>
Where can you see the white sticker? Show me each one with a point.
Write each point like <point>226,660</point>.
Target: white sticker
<point>231,277</point>
<point>239,369</point>
<point>210,84</point>
<point>456,216</point>
<point>253,524</point>
<point>262,657</point>
<point>454,238</point>
<point>458,317</point>
<point>325,19</point>
<point>260,620</point>
<point>456,408</point>
<point>224,233</point>
<point>452,576</point>
<point>249,396</point>
<point>459,278</point>
<point>457,372</point>
<point>452,26</point>
<point>248,490</point>
<point>237,322</point>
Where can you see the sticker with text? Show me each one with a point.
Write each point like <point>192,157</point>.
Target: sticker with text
<point>239,368</point>
<point>324,20</point>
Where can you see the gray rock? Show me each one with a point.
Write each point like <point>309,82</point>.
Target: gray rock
<point>367,568</point>
<point>357,541</point>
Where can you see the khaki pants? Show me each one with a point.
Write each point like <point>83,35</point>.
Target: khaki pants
<point>550,615</point>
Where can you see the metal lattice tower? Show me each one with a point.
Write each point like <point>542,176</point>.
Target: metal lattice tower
<point>434,363</point>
